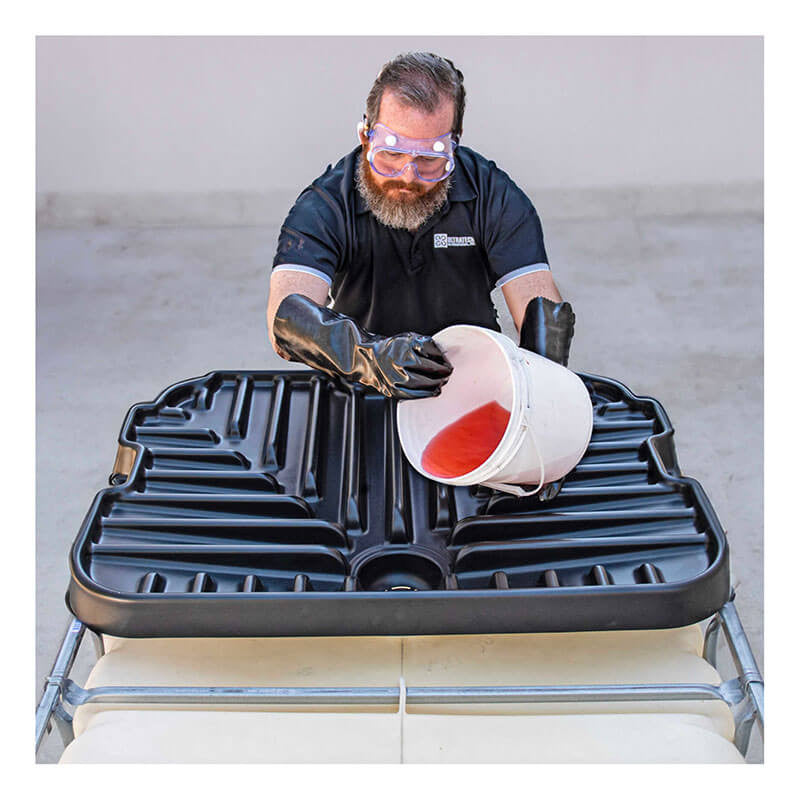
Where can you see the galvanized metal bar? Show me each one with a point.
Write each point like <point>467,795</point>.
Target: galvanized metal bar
<point>746,666</point>
<point>743,719</point>
<point>387,695</point>
<point>194,695</point>
<point>63,722</point>
<point>564,694</point>
<point>97,642</point>
<point>44,711</point>
<point>711,640</point>
<point>51,696</point>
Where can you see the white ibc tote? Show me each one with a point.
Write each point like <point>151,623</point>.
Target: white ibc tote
<point>550,410</point>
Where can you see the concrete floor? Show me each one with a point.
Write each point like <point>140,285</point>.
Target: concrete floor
<point>670,306</point>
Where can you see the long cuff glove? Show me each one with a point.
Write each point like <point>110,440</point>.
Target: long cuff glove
<point>405,366</point>
<point>547,329</point>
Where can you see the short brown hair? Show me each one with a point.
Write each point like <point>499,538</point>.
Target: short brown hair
<point>421,80</point>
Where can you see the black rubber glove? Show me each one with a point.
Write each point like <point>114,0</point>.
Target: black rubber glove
<point>547,329</point>
<point>405,366</point>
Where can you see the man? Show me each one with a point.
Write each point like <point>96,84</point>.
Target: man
<point>409,233</point>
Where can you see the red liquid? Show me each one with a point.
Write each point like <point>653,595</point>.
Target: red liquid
<point>466,443</point>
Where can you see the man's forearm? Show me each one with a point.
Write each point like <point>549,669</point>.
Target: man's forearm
<point>281,285</point>
<point>519,292</point>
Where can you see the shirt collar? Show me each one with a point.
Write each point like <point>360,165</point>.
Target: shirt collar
<point>461,189</point>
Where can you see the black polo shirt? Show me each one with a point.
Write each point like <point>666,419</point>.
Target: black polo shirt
<point>390,280</point>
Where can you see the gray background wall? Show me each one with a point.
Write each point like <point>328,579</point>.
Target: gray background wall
<point>252,120</point>
<point>166,165</point>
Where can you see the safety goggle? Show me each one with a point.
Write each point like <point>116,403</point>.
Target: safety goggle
<point>390,154</point>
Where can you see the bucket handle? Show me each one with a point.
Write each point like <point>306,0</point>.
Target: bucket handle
<point>512,488</point>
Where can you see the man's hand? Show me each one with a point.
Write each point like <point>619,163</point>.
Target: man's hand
<point>547,329</point>
<point>406,366</point>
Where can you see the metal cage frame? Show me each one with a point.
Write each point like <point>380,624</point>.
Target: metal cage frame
<point>744,694</point>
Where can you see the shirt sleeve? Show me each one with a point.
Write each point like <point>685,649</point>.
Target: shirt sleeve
<point>513,235</point>
<point>312,238</point>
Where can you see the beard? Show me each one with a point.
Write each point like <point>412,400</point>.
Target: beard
<point>397,209</point>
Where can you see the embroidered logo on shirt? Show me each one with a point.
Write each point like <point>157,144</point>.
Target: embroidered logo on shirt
<point>443,240</point>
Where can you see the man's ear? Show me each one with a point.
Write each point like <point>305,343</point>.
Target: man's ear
<point>361,130</point>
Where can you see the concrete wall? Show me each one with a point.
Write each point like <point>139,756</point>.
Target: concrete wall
<point>249,116</point>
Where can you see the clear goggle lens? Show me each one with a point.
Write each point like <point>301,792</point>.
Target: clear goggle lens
<point>391,163</point>
<point>390,154</point>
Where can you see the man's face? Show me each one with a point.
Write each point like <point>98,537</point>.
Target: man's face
<point>405,201</point>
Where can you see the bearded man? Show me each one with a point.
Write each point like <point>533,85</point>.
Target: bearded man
<point>407,234</point>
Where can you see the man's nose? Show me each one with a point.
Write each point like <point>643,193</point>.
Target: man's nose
<point>408,175</point>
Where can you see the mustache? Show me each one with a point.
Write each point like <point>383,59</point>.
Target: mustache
<point>412,187</point>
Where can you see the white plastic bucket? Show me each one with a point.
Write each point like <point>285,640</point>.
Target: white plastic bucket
<point>550,420</point>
